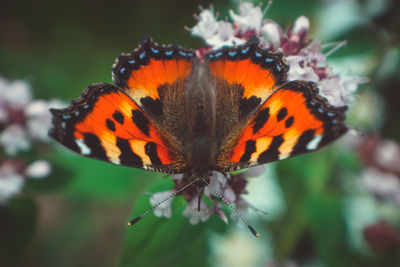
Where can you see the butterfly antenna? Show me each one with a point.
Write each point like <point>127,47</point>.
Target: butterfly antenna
<point>132,222</point>
<point>240,216</point>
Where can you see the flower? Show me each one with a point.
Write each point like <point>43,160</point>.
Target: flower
<point>381,154</point>
<point>39,118</point>
<point>38,169</point>
<point>22,119</point>
<point>11,181</point>
<point>194,215</point>
<point>273,33</point>
<point>23,122</point>
<point>301,26</point>
<point>382,237</point>
<point>207,25</point>
<point>298,71</point>
<point>249,17</point>
<point>224,36</point>
<point>15,94</point>
<point>229,186</point>
<point>163,209</point>
<point>304,55</point>
<point>219,183</point>
<point>385,185</point>
<point>14,138</point>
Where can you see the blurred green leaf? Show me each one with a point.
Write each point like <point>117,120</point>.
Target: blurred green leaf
<point>167,242</point>
<point>95,178</point>
<point>57,180</point>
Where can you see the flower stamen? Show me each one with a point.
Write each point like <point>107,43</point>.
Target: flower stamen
<point>337,46</point>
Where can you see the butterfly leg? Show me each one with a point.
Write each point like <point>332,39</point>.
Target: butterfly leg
<point>200,191</point>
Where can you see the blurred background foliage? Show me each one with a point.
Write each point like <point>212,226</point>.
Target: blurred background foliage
<point>76,216</point>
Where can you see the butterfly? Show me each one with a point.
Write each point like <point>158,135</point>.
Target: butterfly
<point>171,110</point>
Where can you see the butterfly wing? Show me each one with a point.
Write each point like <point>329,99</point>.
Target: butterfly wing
<point>293,120</point>
<point>260,116</point>
<point>156,77</point>
<point>243,78</point>
<point>106,124</point>
<point>137,122</point>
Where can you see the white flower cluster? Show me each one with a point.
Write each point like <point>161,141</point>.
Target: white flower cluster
<point>230,187</point>
<point>23,121</point>
<point>384,185</point>
<point>382,175</point>
<point>304,56</point>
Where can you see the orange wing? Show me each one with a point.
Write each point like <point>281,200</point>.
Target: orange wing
<point>292,121</point>
<point>107,124</point>
<point>243,77</point>
<point>259,72</point>
<point>145,73</point>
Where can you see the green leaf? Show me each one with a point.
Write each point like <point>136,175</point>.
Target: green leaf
<point>59,178</point>
<point>99,179</point>
<point>328,229</point>
<point>167,242</point>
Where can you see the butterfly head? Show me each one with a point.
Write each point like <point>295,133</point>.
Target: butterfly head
<point>201,181</point>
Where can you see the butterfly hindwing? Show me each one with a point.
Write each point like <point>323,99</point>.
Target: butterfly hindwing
<point>293,120</point>
<point>106,124</point>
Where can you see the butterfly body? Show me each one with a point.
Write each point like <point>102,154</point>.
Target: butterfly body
<point>175,112</point>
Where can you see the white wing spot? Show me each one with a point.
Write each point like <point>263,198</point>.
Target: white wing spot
<point>116,162</point>
<point>313,144</point>
<point>85,150</point>
<point>282,157</point>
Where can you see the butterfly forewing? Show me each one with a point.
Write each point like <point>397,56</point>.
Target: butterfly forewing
<point>152,73</point>
<point>107,124</point>
<point>156,77</point>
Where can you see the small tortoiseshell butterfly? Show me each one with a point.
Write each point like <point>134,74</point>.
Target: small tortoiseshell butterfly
<point>173,111</point>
